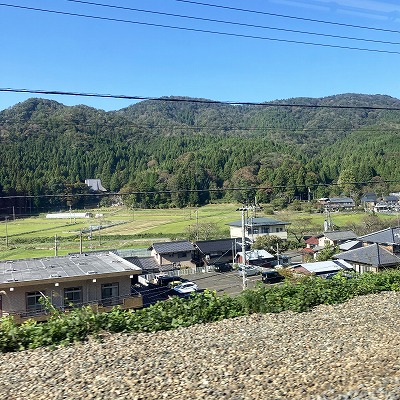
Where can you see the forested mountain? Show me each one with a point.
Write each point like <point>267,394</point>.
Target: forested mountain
<point>167,146</point>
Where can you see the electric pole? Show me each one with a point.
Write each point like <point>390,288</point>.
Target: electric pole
<point>55,245</point>
<point>6,231</point>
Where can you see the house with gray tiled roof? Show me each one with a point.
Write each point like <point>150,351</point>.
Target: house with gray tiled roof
<point>337,203</point>
<point>335,238</point>
<point>176,253</point>
<point>388,238</point>
<point>370,258</point>
<point>212,251</point>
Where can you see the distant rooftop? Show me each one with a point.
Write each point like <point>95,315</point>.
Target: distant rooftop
<point>95,184</point>
<point>259,222</point>
<point>172,247</point>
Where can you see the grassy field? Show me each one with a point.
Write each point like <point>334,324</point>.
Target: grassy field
<point>135,229</point>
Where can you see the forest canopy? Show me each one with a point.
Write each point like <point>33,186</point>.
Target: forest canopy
<point>178,153</point>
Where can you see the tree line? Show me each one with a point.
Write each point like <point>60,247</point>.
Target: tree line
<point>175,154</point>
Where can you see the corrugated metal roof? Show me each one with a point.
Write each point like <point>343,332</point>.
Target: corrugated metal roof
<point>257,254</point>
<point>321,267</point>
<point>59,268</point>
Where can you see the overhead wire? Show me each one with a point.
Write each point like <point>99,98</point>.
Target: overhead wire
<point>201,30</point>
<point>232,22</point>
<point>319,21</point>
<point>68,196</point>
<point>197,101</point>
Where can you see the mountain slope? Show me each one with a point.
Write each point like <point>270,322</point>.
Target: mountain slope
<point>166,146</point>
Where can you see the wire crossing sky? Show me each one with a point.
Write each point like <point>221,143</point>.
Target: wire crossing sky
<point>243,52</point>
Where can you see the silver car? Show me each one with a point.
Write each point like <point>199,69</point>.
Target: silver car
<point>248,270</point>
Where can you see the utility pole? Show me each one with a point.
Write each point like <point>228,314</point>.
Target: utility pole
<point>80,242</point>
<point>277,254</point>
<point>197,224</point>
<point>243,209</point>
<point>6,232</point>
<point>100,234</point>
<point>55,245</point>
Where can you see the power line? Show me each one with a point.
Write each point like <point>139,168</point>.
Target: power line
<point>199,101</point>
<point>69,196</point>
<point>289,16</point>
<point>233,23</point>
<point>201,30</point>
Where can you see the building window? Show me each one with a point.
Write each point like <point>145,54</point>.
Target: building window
<point>33,303</point>
<point>110,293</point>
<point>72,296</point>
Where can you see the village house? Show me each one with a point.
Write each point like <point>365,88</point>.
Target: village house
<point>388,238</point>
<point>380,250</point>
<point>337,203</point>
<point>335,238</point>
<point>259,258</point>
<point>176,254</point>
<point>101,280</point>
<point>371,258</point>
<point>342,239</point>
<point>209,252</point>
<point>255,227</point>
<point>322,268</point>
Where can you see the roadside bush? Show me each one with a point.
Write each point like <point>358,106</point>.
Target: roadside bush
<point>294,294</point>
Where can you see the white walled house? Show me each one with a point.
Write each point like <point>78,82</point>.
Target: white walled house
<point>255,227</point>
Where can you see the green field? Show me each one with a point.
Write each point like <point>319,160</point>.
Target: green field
<point>137,229</point>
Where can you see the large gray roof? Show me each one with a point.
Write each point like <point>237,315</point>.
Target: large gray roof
<point>172,247</point>
<point>63,268</point>
<point>259,222</point>
<point>209,246</point>
<point>340,235</point>
<point>144,263</point>
<point>373,254</point>
<point>386,236</point>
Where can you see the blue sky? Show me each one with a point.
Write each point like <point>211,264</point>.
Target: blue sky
<point>47,51</point>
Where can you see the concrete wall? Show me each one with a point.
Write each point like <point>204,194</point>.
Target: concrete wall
<point>15,301</point>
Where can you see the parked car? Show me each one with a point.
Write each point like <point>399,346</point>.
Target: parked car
<point>173,284</point>
<point>248,270</point>
<point>338,274</point>
<point>185,288</point>
<point>272,276</point>
<point>164,280</point>
<point>222,267</point>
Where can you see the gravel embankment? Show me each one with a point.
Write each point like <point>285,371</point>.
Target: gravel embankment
<point>348,351</point>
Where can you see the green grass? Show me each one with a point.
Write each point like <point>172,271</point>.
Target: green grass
<point>134,229</point>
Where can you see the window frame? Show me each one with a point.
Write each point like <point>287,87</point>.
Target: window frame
<point>73,290</point>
